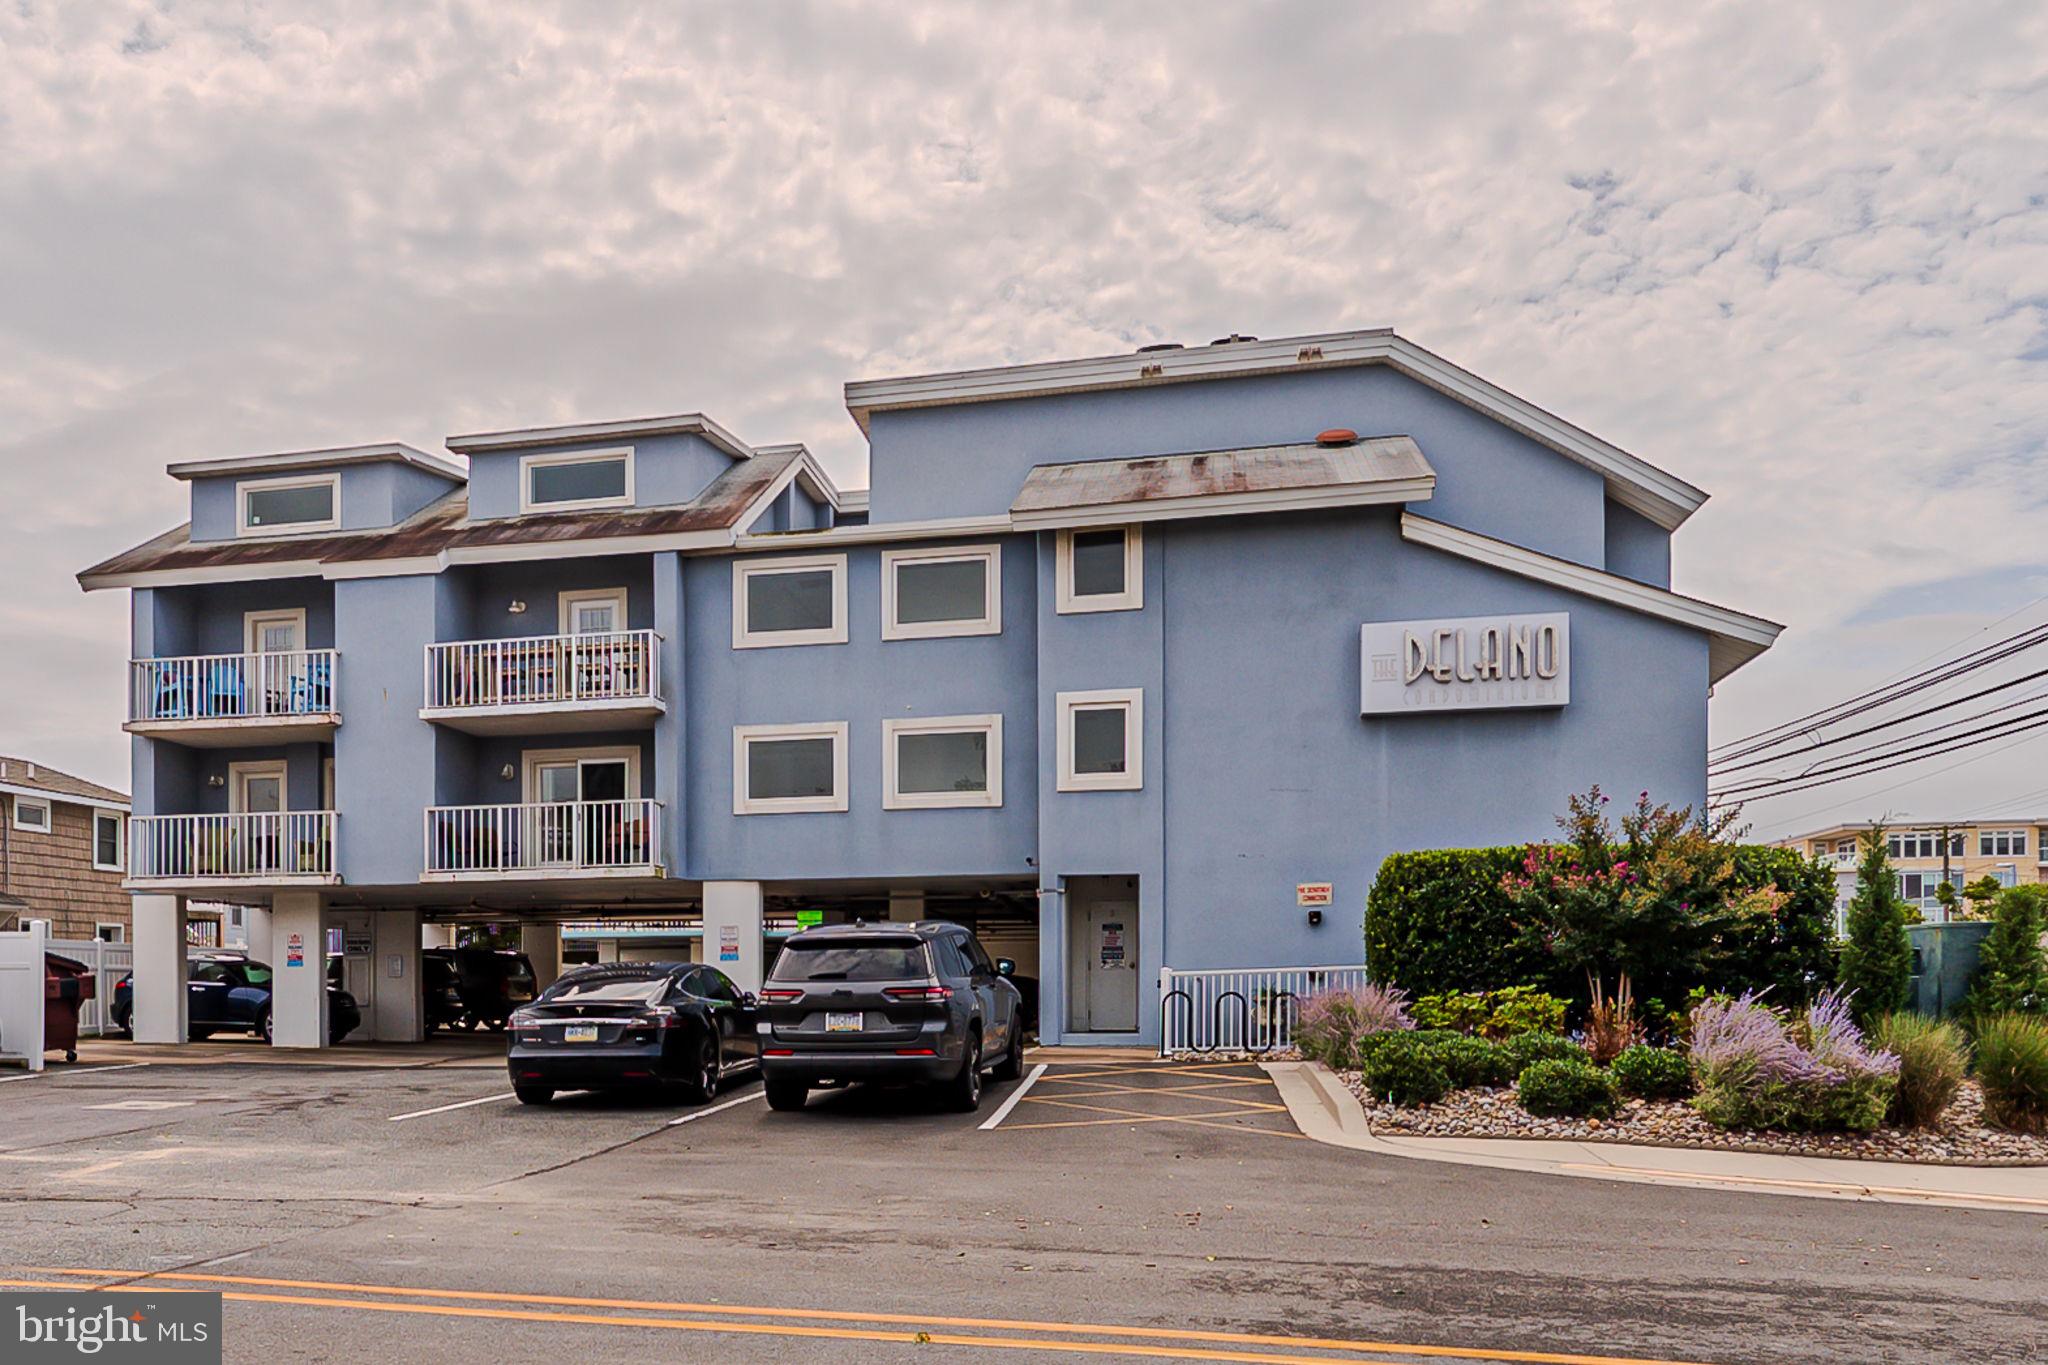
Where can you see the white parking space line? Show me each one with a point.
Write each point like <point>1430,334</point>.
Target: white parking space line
<point>1015,1095</point>
<point>445,1108</point>
<point>88,1071</point>
<point>707,1113</point>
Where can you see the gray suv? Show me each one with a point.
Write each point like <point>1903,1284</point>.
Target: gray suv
<point>890,1003</point>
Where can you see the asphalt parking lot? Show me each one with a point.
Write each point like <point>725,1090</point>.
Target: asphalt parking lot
<point>1116,1208</point>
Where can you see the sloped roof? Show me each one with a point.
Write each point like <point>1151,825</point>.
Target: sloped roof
<point>1259,478</point>
<point>25,774</point>
<point>444,526</point>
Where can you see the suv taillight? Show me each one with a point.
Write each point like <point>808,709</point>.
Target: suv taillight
<point>769,996</point>
<point>933,993</point>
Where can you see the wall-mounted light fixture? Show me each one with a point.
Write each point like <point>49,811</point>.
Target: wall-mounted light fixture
<point>506,773</point>
<point>216,780</point>
<point>518,607</point>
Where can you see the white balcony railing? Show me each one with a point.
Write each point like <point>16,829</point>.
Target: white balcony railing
<point>281,685</point>
<point>565,837</point>
<point>253,847</point>
<point>544,670</point>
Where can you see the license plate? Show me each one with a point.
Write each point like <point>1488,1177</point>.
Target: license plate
<point>580,1033</point>
<point>836,1022</point>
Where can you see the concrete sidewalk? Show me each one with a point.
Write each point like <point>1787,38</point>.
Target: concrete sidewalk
<point>1324,1108</point>
<point>441,1050</point>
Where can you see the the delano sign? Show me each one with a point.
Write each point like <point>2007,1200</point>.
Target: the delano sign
<point>1474,663</point>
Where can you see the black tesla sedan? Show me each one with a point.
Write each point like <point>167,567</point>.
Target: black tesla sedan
<point>633,1024</point>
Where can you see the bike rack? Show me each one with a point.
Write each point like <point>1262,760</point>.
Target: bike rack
<point>1244,1021</point>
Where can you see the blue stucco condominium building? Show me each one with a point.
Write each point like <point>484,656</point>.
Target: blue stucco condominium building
<point>1124,660</point>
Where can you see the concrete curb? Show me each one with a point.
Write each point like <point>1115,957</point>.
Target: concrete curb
<point>1326,1111</point>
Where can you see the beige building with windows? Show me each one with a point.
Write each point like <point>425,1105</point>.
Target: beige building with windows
<point>1923,855</point>
<point>63,849</point>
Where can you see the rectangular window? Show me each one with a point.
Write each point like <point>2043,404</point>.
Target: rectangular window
<point>2001,843</point>
<point>106,841</point>
<point>110,933</point>
<point>1101,740</point>
<point>567,483</point>
<point>788,769</point>
<point>795,601</point>
<point>268,507</point>
<point>936,762</point>
<point>1100,569</point>
<point>31,814</point>
<point>928,594</point>
<point>2041,844</point>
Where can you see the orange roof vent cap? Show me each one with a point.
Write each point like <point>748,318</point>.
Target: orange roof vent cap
<point>1337,436</point>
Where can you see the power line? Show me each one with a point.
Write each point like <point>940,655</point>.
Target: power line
<point>1829,810</point>
<point>1900,720</point>
<point>1864,770</point>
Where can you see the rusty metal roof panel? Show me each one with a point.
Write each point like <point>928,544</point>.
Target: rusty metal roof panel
<point>1381,469</point>
<point>444,525</point>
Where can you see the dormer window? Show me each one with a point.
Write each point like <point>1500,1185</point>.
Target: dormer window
<point>569,483</point>
<point>290,506</point>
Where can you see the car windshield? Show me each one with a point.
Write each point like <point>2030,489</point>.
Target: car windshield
<point>637,989</point>
<point>880,960</point>
<point>257,974</point>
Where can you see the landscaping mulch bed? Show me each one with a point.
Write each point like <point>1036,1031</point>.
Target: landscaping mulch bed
<point>1959,1139</point>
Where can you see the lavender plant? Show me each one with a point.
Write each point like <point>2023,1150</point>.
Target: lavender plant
<point>1330,1024</point>
<point>1759,1069</point>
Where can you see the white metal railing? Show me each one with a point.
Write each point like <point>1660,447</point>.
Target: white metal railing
<point>566,836</point>
<point>293,843</point>
<point>291,682</point>
<point>109,962</point>
<point>542,669</point>
<point>1251,1009</point>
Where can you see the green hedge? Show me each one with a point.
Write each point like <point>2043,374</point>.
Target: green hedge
<point>1438,921</point>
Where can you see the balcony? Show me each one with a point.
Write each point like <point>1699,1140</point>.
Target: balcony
<point>545,684</point>
<point>212,701</point>
<point>543,841</point>
<point>275,848</point>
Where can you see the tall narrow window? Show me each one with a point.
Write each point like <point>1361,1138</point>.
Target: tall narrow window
<point>106,840</point>
<point>933,593</point>
<point>788,769</point>
<point>1101,740</point>
<point>794,601</point>
<point>942,761</point>
<point>1099,569</point>
<point>280,506</point>
<point>567,483</point>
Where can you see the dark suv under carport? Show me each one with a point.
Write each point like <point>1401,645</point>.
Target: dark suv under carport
<point>892,1003</point>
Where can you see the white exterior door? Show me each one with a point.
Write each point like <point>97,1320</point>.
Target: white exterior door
<point>1102,965</point>
<point>277,640</point>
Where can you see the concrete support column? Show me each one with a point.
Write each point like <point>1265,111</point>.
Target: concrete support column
<point>400,1013</point>
<point>542,944</point>
<point>158,938</point>
<point>906,906</point>
<point>256,925</point>
<point>298,996</point>
<point>732,931</point>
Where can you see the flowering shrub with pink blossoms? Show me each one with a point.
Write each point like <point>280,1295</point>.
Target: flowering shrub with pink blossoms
<point>1759,1068</point>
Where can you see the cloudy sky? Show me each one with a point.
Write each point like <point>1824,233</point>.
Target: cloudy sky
<point>1797,254</point>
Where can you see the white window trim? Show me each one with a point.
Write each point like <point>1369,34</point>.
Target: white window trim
<point>120,841</point>
<point>744,804</point>
<point>49,825</point>
<point>252,626</point>
<point>991,798</point>
<point>1133,776</point>
<point>743,569</point>
<point>269,767</point>
<point>120,930</point>
<point>529,463</point>
<point>244,487</point>
<point>532,760</point>
<point>990,622</point>
<point>1132,598</point>
<point>569,598</point>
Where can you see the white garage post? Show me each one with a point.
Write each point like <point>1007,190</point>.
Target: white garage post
<point>256,925</point>
<point>542,944</point>
<point>158,945</point>
<point>732,931</point>
<point>298,998</point>
<point>399,1014</point>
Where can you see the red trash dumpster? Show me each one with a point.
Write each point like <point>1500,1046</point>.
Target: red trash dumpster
<point>67,985</point>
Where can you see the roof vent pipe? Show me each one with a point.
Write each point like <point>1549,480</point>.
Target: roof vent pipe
<point>1337,436</point>
<point>1233,339</point>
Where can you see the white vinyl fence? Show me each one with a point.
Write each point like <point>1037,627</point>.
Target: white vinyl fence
<point>109,963</point>
<point>1245,1010</point>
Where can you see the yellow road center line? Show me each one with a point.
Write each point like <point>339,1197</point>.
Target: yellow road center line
<point>827,1315</point>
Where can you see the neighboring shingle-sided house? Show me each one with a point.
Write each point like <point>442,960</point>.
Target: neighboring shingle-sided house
<point>63,843</point>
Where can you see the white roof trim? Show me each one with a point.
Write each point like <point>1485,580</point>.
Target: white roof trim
<point>63,798</point>
<point>1736,637</point>
<point>853,500</point>
<point>941,528</point>
<point>1663,498</point>
<point>388,451</point>
<point>1229,504</point>
<point>816,481</point>
<point>582,433</point>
